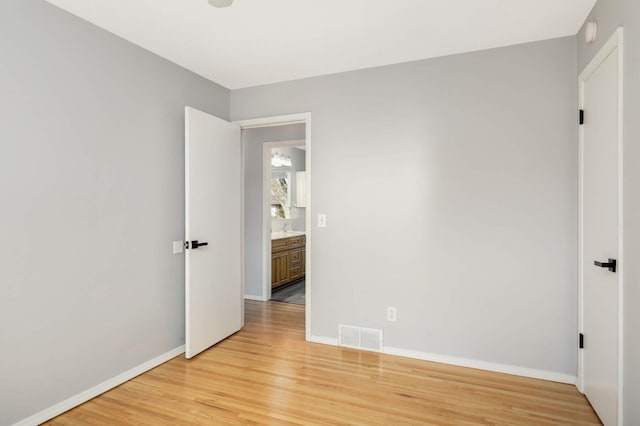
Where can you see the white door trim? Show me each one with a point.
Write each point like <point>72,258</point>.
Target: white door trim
<point>279,121</point>
<point>615,42</point>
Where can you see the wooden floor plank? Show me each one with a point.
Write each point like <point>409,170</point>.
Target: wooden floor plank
<point>268,375</point>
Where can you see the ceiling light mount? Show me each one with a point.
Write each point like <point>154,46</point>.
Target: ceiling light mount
<point>220,3</point>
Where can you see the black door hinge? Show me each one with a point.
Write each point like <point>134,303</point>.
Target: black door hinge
<point>581,345</point>
<point>581,117</point>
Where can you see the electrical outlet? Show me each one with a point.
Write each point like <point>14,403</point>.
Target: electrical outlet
<point>322,221</point>
<point>391,313</point>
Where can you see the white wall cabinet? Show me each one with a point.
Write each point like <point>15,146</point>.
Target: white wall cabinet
<point>301,189</point>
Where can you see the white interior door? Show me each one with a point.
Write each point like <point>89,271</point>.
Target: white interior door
<point>213,293</point>
<point>600,225</point>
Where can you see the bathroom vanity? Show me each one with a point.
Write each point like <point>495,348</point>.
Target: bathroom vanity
<point>287,257</point>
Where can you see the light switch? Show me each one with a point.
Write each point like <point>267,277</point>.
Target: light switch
<point>178,247</point>
<point>322,220</point>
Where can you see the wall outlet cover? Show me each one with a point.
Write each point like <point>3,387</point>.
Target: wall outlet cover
<point>391,313</point>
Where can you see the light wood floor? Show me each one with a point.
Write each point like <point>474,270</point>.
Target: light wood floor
<point>268,374</point>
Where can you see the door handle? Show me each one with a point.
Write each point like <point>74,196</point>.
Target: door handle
<point>195,244</point>
<point>611,264</point>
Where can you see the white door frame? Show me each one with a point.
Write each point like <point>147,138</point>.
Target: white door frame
<point>615,42</point>
<point>266,239</point>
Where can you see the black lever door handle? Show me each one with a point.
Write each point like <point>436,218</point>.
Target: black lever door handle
<point>611,264</point>
<point>195,244</point>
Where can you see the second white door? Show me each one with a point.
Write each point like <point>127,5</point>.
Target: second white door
<point>600,224</point>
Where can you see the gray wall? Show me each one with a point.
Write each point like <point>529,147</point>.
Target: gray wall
<point>450,188</point>
<point>252,140</point>
<point>92,190</point>
<point>611,14</point>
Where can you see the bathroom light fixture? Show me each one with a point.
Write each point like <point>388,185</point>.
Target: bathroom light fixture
<point>280,160</point>
<point>590,32</point>
<point>220,3</point>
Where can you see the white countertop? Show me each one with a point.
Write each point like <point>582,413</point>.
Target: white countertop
<point>281,234</point>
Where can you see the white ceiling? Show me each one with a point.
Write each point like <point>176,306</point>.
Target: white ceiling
<point>256,42</point>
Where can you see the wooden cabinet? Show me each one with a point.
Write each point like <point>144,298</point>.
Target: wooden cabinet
<point>287,260</point>
<point>295,271</point>
<point>279,269</point>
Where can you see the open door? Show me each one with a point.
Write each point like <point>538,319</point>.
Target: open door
<point>213,229</point>
<point>601,221</point>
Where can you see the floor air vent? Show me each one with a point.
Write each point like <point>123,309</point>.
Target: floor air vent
<point>360,338</point>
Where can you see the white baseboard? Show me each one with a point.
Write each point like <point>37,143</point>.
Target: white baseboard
<point>332,341</point>
<point>465,362</point>
<point>251,297</point>
<point>83,397</point>
<point>484,365</point>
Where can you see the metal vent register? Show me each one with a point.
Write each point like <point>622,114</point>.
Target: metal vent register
<point>369,339</point>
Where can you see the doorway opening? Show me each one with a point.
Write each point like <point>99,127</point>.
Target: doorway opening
<point>284,204</point>
<point>276,163</point>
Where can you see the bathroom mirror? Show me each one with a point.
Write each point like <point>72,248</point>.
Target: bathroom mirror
<point>281,194</point>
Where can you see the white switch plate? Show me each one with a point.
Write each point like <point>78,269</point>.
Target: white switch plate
<point>391,313</point>
<point>178,247</point>
<point>322,220</point>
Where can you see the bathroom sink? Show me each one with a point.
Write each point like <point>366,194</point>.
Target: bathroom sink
<point>287,234</point>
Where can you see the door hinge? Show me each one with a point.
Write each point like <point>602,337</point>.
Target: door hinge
<point>581,344</point>
<point>581,117</point>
